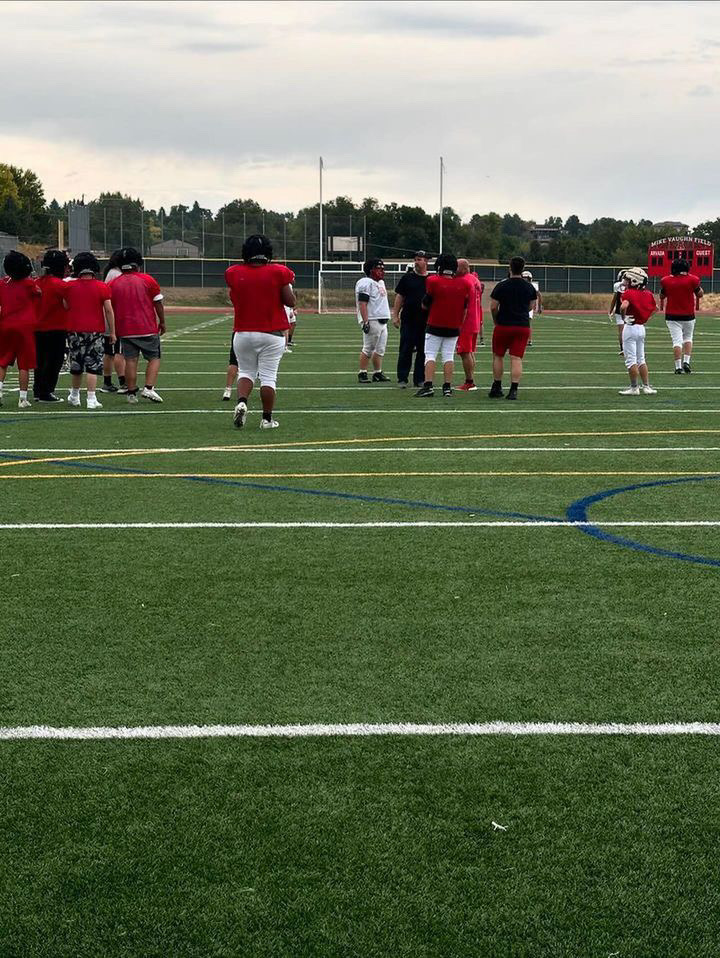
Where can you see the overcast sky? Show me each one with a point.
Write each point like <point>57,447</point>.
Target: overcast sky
<point>544,108</point>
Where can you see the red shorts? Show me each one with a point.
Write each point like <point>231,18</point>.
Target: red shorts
<point>466,342</point>
<point>512,339</point>
<point>17,343</point>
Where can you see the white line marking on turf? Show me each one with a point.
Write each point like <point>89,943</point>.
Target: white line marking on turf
<point>356,730</point>
<point>631,408</point>
<point>493,524</point>
<point>242,450</point>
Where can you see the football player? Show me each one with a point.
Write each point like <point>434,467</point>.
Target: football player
<point>90,313</point>
<point>373,315</point>
<point>446,300</point>
<point>467,340</point>
<point>538,308</point>
<point>636,307</point>
<point>682,292</point>
<point>19,300</point>
<point>259,290</point>
<point>51,331</point>
<point>614,313</point>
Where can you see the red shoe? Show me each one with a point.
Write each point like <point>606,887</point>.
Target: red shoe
<point>467,388</point>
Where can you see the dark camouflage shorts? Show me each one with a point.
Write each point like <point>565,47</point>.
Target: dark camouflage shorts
<point>85,352</point>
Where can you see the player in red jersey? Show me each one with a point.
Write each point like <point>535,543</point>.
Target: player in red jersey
<point>140,320</point>
<point>682,292</point>
<point>472,327</point>
<point>259,290</point>
<point>637,306</point>
<point>51,331</point>
<point>446,300</point>
<point>89,313</point>
<point>19,302</point>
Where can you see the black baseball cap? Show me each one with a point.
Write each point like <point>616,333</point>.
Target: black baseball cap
<point>421,254</point>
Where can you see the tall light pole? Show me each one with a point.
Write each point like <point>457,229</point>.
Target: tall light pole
<point>321,234</point>
<point>442,171</point>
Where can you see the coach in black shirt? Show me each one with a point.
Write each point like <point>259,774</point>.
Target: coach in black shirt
<point>510,304</point>
<point>409,315</point>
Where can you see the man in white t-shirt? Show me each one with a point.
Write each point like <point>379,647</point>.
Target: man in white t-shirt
<point>373,315</point>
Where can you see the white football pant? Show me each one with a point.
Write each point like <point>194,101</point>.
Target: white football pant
<point>376,340</point>
<point>634,345</point>
<point>258,356</point>
<point>680,332</point>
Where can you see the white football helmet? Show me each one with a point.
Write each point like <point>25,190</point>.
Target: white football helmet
<point>621,275</point>
<point>636,277</point>
<point>527,274</point>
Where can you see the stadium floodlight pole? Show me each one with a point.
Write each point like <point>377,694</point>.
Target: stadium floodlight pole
<point>442,170</point>
<point>223,236</point>
<point>321,238</point>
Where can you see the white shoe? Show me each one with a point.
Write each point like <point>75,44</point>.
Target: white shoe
<point>227,394</point>
<point>630,391</point>
<point>132,398</point>
<point>150,393</point>
<point>288,349</point>
<point>73,400</point>
<point>649,391</point>
<point>269,424</point>
<point>240,414</point>
<point>26,404</point>
<point>94,404</point>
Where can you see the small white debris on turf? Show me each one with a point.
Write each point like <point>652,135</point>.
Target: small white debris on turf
<point>499,828</point>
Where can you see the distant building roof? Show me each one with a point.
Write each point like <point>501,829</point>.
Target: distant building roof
<point>173,247</point>
<point>674,226</point>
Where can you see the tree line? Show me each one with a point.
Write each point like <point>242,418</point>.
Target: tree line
<point>392,230</point>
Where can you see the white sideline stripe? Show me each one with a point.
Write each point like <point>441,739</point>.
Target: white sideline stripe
<point>242,450</point>
<point>633,408</point>
<point>492,524</point>
<point>355,730</point>
<point>175,334</point>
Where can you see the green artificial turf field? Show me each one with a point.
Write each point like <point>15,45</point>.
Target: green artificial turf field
<point>377,559</point>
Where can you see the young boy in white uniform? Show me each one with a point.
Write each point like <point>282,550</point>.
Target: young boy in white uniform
<point>373,316</point>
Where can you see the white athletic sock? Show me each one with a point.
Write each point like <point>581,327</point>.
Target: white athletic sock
<point>91,396</point>
<point>23,394</point>
<point>686,358</point>
<point>678,364</point>
<point>75,393</point>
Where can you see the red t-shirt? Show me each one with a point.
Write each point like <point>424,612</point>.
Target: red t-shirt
<point>449,297</point>
<point>19,302</point>
<point>474,318</point>
<point>85,299</point>
<point>52,314</point>
<point>642,304</point>
<point>680,294</point>
<point>133,298</point>
<point>255,295</point>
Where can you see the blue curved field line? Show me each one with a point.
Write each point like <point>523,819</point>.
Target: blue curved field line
<point>325,493</point>
<point>578,512</point>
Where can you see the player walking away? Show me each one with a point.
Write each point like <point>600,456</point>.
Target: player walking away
<point>637,306</point>
<point>259,290</point>
<point>112,357</point>
<point>680,295</point>
<point>511,303</point>
<point>140,322</point>
<point>90,313</point>
<point>373,315</point>
<point>446,300</point>
<point>467,340</point>
<point>614,312</point>
<point>51,331</point>
<point>536,286</point>
<point>409,315</point>
<point>19,300</point>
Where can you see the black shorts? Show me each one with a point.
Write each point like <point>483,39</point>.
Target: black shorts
<point>232,361</point>
<point>111,349</point>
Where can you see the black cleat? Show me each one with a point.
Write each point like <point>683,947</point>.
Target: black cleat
<point>425,392</point>
<point>686,368</point>
<point>678,372</point>
<point>51,397</point>
<point>363,378</point>
<point>112,388</point>
<point>447,389</point>
<point>495,393</point>
<point>380,377</point>
<point>403,383</point>
<point>512,394</point>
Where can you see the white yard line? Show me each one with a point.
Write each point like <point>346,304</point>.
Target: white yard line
<point>452,524</point>
<point>633,408</point>
<point>242,450</point>
<point>357,730</point>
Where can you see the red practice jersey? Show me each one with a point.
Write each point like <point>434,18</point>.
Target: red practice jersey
<point>19,302</point>
<point>255,295</point>
<point>474,318</point>
<point>52,313</point>
<point>133,299</point>
<point>680,294</point>
<point>642,304</point>
<point>85,299</point>
<point>449,296</point>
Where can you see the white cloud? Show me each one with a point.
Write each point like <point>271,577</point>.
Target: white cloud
<point>538,107</point>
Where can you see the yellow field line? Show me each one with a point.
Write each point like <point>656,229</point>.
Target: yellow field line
<point>339,442</point>
<point>346,475</point>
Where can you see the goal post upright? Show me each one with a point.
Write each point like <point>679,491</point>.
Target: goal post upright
<point>321,240</point>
